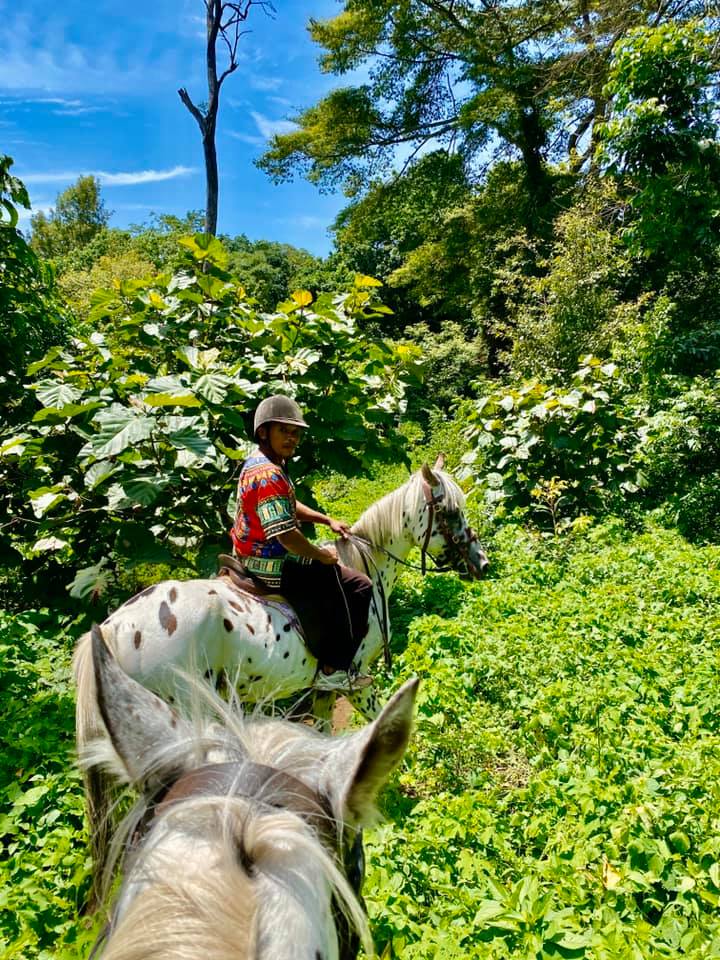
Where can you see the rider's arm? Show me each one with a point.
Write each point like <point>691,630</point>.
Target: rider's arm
<point>308,515</point>
<point>296,542</point>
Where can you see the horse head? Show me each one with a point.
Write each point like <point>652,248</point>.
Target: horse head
<point>447,536</point>
<point>247,841</point>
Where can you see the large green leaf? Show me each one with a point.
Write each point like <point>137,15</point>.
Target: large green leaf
<point>213,386</point>
<point>142,491</point>
<point>190,438</point>
<point>120,427</point>
<point>56,393</point>
<point>90,580</point>
<point>46,498</point>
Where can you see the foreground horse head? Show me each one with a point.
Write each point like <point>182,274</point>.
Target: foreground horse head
<point>246,842</point>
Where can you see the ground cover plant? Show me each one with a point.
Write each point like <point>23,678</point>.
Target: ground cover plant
<point>561,795</point>
<point>561,798</point>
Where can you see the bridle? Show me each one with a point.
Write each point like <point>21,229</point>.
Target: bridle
<point>272,788</point>
<point>457,546</point>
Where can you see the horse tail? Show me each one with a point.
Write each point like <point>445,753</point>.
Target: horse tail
<point>89,726</point>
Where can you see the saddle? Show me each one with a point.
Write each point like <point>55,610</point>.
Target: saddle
<point>234,571</point>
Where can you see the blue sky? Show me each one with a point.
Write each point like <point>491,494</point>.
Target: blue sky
<point>90,86</point>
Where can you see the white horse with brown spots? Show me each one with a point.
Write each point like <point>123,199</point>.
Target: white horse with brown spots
<point>200,626</point>
<point>210,625</point>
<point>247,840</point>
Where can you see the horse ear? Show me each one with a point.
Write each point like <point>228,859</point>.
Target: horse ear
<point>429,476</point>
<point>440,462</point>
<point>368,758</point>
<point>142,727</point>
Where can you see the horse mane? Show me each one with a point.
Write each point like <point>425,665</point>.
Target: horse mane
<point>181,916</point>
<point>214,914</point>
<point>384,520</point>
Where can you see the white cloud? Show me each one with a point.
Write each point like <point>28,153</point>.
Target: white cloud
<point>270,128</point>
<point>265,83</point>
<point>109,179</point>
<point>246,138</point>
<point>306,221</point>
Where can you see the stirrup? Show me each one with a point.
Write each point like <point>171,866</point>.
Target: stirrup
<point>341,681</point>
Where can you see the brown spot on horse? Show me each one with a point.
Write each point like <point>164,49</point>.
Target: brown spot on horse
<point>168,620</point>
<point>137,639</point>
<point>173,595</point>
<point>227,624</point>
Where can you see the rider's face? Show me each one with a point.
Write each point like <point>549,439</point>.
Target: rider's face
<point>283,438</point>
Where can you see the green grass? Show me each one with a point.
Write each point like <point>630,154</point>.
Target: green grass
<point>561,796</point>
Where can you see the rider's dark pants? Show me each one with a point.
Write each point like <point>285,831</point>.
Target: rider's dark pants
<point>332,603</point>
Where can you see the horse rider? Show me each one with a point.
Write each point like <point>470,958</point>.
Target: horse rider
<point>332,601</point>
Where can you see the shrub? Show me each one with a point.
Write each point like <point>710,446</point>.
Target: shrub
<point>532,434</point>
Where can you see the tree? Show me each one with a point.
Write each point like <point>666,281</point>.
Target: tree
<point>79,215</point>
<point>484,79</point>
<point>31,317</point>
<point>223,23</point>
<point>662,140</point>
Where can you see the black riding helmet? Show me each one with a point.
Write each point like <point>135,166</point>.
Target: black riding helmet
<point>278,409</point>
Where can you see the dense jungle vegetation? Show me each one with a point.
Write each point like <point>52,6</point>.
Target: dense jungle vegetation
<point>536,292</point>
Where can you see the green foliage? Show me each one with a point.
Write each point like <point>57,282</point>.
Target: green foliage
<point>452,361</point>
<point>78,216</point>
<point>140,426</point>
<point>582,301</point>
<point>271,271</point>
<point>663,137</point>
<point>31,316</point>
<point>581,435</point>
<point>44,872</point>
<point>681,457</point>
<point>79,285</point>
<point>561,792</point>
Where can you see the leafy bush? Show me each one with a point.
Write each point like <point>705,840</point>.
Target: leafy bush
<point>44,873</point>
<point>681,457</point>
<point>31,315</point>
<point>582,436</point>
<point>453,362</point>
<point>561,792</point>
<point>662,138</point>
<point>583,299</point>
<point>130,458</point>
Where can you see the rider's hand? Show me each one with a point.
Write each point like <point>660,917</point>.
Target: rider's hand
<point>328,555</point>
<point>340,528</point>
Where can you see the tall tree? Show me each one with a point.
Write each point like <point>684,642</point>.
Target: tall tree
<point>523,77</point>
<point>224,25</point>
<point>78,216</point>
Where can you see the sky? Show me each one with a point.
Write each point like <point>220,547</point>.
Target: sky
<point>90,86</point>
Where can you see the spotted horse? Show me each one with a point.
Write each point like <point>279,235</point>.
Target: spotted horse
<point>187,628</point>
<point>246,839</point>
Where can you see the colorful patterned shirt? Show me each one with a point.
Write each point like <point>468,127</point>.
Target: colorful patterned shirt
<point>265,509</point>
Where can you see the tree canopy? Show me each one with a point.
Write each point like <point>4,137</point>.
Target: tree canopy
<point>525,79</point>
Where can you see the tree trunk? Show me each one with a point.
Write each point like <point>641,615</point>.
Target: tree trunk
<point>211,181</point>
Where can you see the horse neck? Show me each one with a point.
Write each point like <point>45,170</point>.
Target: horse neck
<point>391,528</point>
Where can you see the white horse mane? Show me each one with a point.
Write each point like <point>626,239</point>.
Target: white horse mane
<point>213,913</point>
<point>383,521</point>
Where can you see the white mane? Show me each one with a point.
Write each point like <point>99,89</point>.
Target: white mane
<point>220,910</point>
<point>385,520</point>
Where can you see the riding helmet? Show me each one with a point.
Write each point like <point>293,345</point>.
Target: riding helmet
<point>278,409</point>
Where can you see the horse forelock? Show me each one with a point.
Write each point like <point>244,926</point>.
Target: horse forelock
<point>230,878</point>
